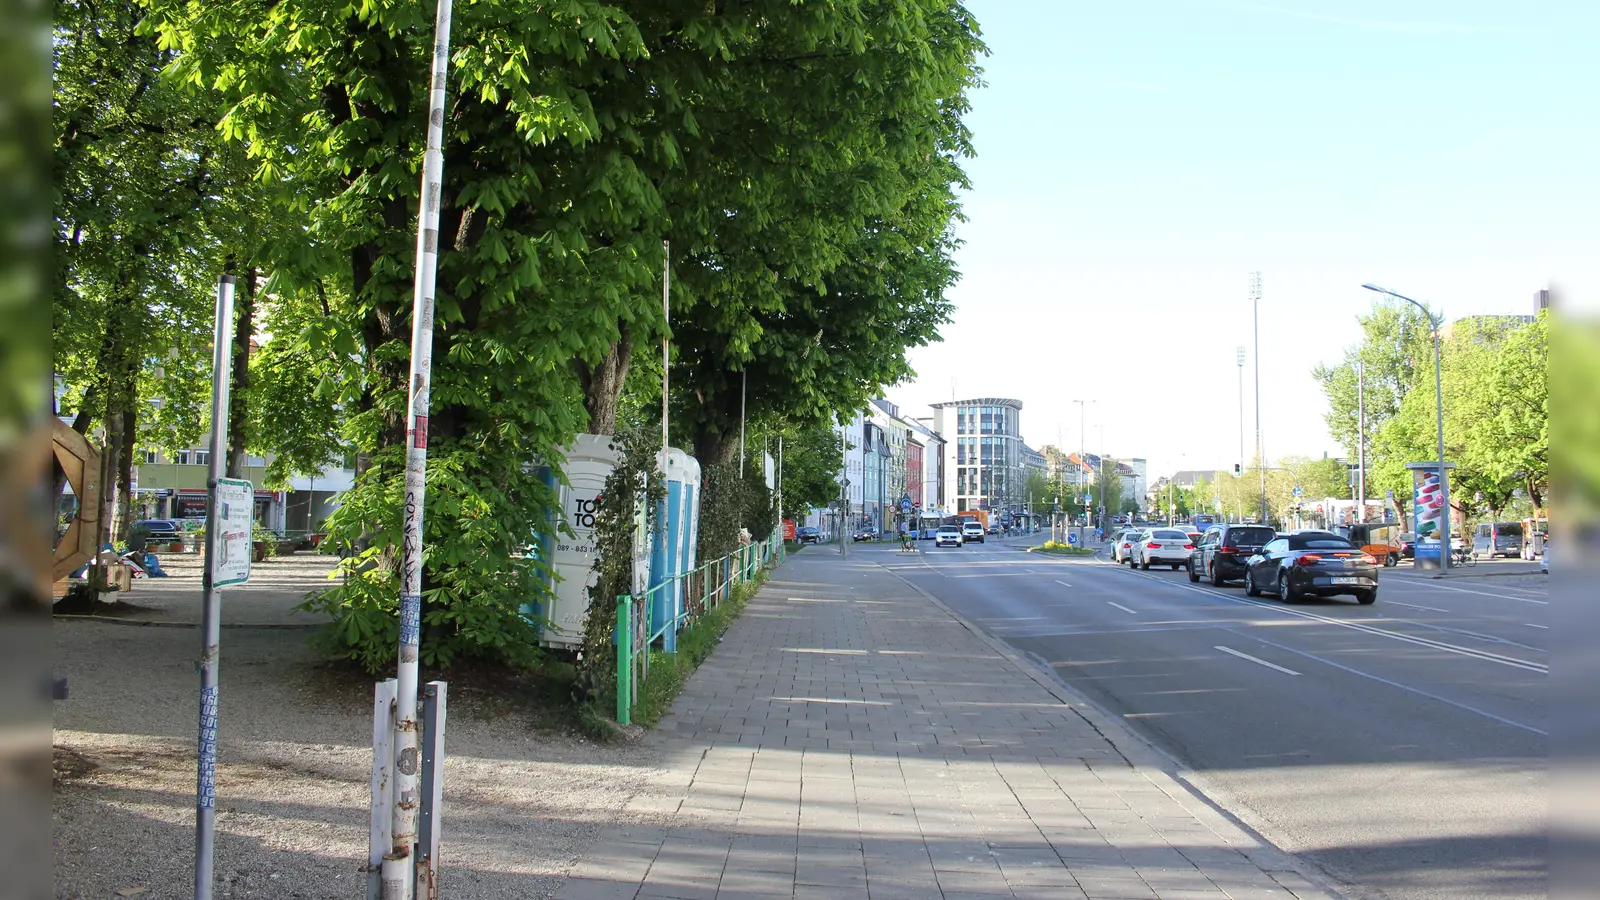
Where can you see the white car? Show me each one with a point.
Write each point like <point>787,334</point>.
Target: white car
<point>1122,544</point>
<point>1162,545</point>
<point>972,531</point>
<point>947,534</point>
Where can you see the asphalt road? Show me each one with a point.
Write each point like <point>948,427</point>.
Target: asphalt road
<point>1401,747</point>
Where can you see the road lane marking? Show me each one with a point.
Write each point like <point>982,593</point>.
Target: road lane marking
<point>1442,587</point>
<point>1483,655</point>
<point>1259,662</point>
<point>1531,625</point>
<point>1395,684</point>
<point>1063,584</point>
<point>1415,606</point>
<point>1121,607</point>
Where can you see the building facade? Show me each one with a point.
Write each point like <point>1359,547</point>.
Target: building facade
<point>987,470</point>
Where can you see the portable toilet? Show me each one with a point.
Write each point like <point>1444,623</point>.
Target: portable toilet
<point>690,531</point>
<point>590,460</point>
<point>666,549</point>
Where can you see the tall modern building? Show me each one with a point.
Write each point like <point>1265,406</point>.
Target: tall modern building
<point>987,469</point>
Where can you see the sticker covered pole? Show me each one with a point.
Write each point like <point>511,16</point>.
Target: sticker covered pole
<point>398,875</point>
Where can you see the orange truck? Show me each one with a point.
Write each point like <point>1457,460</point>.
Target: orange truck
<point>981,516</point>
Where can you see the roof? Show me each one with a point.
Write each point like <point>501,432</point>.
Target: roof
<point>980,401</point>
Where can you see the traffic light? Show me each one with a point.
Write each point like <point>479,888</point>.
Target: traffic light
<point>1237,470</point>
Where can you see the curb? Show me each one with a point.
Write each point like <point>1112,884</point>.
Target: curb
<point>1138,752</point>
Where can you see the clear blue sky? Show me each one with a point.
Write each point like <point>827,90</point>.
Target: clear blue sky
<point>1137,160</point>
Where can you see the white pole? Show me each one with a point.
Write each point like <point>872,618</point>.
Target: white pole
<point>666,361</point>
<point>1361,444</point>
<point>398,875</point>
<point>205,799</point>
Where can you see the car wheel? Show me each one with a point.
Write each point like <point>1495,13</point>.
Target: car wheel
<point>1216,579</point>
<point>1145,565</point>
<point>1193,575</point>
<point>1174,567</point>
<point>1250,588</point>
<point>1285,592</point>
<point>1367,598</point>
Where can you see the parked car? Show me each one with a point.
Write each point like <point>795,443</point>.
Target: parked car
<point>947,534</point>
<point>159,531</point>
<point>1498,539</point>
<point>972,531</point>
<point>1224,550</point>
<point>809,535</point>
<point>1312,563</point>
<point>862,534</point>
<point>1162,545</point>
<point>1122,544</point>
<point>1408,546</point>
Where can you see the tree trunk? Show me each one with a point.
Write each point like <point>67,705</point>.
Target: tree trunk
<point>243,330</point>
<point>108,487</point>
<point>602,384</point>
<point>125,508</point>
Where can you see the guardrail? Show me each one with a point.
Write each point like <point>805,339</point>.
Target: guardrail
<point>704,589</point>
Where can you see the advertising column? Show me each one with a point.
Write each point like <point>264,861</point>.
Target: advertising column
<point>1427,506</point>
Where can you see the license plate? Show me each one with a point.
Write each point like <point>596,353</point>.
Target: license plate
<point>1346,579</point>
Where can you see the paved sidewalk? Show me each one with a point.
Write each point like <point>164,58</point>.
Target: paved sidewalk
<point>851,738</point>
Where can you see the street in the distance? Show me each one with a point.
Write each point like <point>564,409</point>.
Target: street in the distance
<point>1399,746</point>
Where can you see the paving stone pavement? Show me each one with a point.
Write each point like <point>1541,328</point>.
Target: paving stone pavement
<point>852,738</point>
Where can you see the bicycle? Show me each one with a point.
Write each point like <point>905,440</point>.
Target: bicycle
<point>1463,558</point>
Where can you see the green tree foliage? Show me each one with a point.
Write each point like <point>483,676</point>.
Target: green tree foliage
<point>801,159</point>
<point>1493,374</point>
<point>812,459</point>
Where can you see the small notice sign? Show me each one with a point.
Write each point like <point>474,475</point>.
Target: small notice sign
<point>230,563</point>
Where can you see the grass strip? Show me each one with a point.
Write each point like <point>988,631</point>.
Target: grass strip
<point>669,671</point>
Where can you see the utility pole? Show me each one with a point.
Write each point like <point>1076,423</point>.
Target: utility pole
<point>1255,317</point>
<point>1361,444</point>
<point>1241,406</point>
<point>1083,447</point>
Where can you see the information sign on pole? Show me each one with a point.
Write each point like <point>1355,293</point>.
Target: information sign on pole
<point>235,508</point>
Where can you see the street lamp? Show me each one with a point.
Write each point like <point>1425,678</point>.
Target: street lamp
<point>1438,402</point>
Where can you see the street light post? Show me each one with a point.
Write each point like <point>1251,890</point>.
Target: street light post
<point>1438,403</point>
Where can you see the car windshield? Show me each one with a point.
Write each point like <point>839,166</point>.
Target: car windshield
<point>1251,535</point>
<point>1320,542</point>
<point>1168,534</point>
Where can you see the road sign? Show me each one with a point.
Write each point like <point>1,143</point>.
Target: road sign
<point>236,500</point>
<point>1072,539</point>
<point>905,504</point>
<point>1297,491</point>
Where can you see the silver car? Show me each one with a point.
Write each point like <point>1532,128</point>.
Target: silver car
<point>947,534</point>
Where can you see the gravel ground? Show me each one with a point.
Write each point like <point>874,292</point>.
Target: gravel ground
<point>522,803</point>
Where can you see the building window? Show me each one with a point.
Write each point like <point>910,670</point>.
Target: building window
<point>150,457</point>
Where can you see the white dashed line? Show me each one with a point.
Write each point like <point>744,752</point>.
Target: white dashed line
<point>1259,662</point>
<point>1121,607</point>
<point>1415,606</point>
<point>1063,584</point>
<point>1531,625</point>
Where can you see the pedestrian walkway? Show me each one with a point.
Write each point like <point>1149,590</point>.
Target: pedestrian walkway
<point>852,738</point>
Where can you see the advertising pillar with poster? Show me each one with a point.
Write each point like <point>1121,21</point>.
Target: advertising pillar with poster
<point>1427,506</point>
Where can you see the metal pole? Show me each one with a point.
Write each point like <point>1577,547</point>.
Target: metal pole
<point>666,361</point>
<point>1437,324</point>
<point>433,718</point>
<point>205,797</point>
<point>1444,476</point>
<point>407,796</point>
<point>1255,317</point>
<point>1241,407</point>
<point>1361,444</point>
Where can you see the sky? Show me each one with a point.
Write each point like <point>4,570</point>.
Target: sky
<point>1136,161</point>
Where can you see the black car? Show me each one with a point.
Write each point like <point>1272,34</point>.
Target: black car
<point>1312,563</point>
<point>1408,546</point>
<point>808,535</point>
<point>1222,552</point>
<point>862,535</point>
<point>158,531</point>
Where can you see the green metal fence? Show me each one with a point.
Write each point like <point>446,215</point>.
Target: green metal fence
<point>704,589</point>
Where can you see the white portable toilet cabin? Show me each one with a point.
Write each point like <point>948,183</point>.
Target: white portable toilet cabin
<point>590,460</point>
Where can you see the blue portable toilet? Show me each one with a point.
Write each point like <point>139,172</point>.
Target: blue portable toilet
<point>677,518</point>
